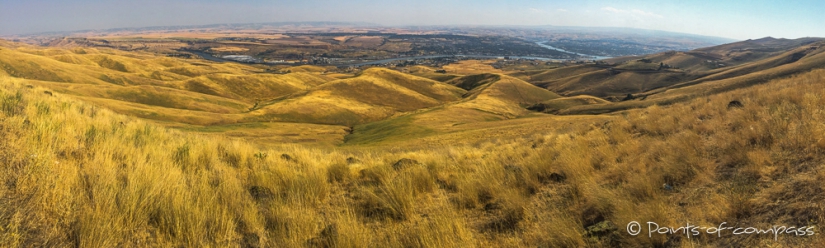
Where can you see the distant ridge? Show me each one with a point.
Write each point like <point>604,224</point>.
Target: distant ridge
<point>203,26</point>
<point>614,30</point>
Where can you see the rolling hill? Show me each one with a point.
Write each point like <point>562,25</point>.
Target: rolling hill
<point>185,93</point>
<point>491,102</point>
<point>535,181</point>
<point>230,99</point>
<point>676,76</point>
<point>105,148</point>
<point>373,95</point>
<point>631,75</point>
<point>553,106</point>
<point>210,97</point>
<point>434,74</point>
<point>385,105</point>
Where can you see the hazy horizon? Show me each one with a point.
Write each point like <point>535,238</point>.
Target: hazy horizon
<point>732,19</point>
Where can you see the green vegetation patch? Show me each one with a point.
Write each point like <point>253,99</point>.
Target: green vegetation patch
<point>399,128</point>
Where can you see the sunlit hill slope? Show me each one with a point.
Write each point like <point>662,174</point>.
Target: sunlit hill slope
<point>73,173</point>
<point>303,104</point>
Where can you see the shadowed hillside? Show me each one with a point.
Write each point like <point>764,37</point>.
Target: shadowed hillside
<point>677,76</point>
<point>633,75</point>
<point>555,105</point>
<point>803,59</point>
<point>491,100</point>
<point>504,95</point>
<point>434,74</point>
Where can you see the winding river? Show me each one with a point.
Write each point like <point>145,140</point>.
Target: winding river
<point>208,56</point>
<point>544,44</point>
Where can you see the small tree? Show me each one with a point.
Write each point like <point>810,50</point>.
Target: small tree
<point>629,97</point>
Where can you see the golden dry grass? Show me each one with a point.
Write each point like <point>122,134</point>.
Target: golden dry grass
<point>491,98</point>
<point>467,67</point>
<point>449,167</point>
<point>171,91</point>
<point>74,174</point>
<point>742,76</point>
<point>558,104</point>
<point>373,95</point>
<point>723,67</point>
<point>308,68</point>
<point>267,134</point>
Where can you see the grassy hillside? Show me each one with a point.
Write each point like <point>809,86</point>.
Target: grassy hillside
<point>473,81</point>
<point>615,83</point>
<point>373,95</point>
<point>691,74</point>
<point>799,59</point>
<point>491,98</point>
<point>427,72</point>
<point>204,96</point>
<point>558,104</point>
<point>804,59</point>
<point>79,175</point>
<point>152,95</point>
<point>467,67</point>
<point>112,68</point>
<point>651,74</point>
<point>504,95</point>
<point>306,68</point>
<point>173,92</point>
<point>558,73</point>
<point>250,87</point>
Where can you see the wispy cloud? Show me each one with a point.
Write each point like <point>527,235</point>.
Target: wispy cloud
<point>536,11</point>
<point>614,10</point>
<point>648,14</point>
<point>632,12</point>
<point>562,10</point>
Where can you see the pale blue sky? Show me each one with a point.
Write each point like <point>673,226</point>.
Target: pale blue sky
<point>731,19</point>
